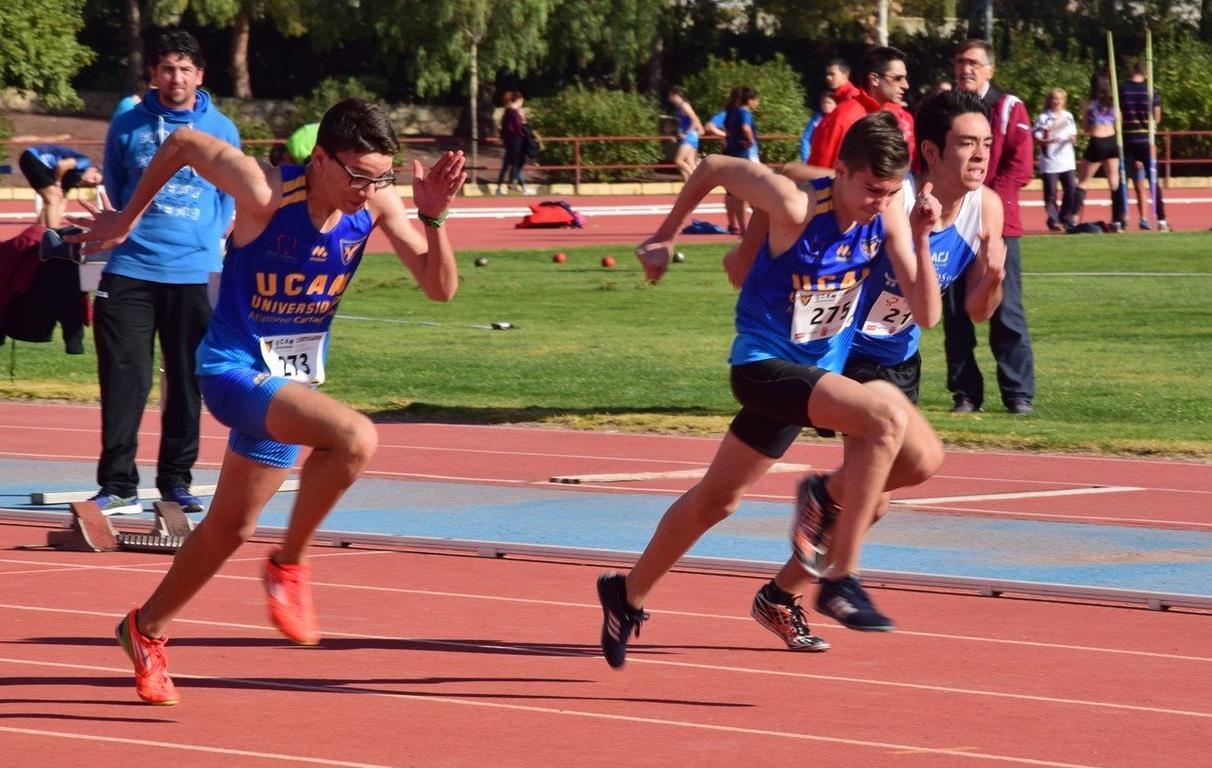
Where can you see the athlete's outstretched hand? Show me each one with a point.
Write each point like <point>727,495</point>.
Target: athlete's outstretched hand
<point>102,230</point>
<point>654,255</point>
<point>927,211</point>
<point>433,191</point>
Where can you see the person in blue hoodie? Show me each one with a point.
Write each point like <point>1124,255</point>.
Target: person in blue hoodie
<point>155,283</point>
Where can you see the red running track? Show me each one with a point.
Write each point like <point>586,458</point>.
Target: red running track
<point>441,660</point>
<point>1156,493</point>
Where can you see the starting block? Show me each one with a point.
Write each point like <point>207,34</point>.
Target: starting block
<point>91,531</point>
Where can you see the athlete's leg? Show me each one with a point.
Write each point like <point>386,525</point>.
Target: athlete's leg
<point>342,442</point>
<point>244,487</point>
<point>734,469</point>
<point>917,458</point>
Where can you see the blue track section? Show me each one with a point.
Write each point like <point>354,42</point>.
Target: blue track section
<point>1120,557</point>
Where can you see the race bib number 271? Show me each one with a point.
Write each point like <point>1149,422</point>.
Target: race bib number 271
<point>298,357</point>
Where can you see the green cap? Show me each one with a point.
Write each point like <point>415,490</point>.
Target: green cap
<point>302,142</point>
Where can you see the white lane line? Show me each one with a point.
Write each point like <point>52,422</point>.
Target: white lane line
<point>821,623</point>
<point>1088,491</point>
<point>185,747</point>
<point>624,477</point>
<point>985,512</point>
<point>277,685</point>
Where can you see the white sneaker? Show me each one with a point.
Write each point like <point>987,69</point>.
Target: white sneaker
<point>1163,225</point>
<point>500,190</point>
<point>529,191</point>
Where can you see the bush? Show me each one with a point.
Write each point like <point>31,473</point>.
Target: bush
<point>782,109</point>
<point>310,108</point>
<point>580,111</point>
<point>253,128</point>
<point>6,127</point>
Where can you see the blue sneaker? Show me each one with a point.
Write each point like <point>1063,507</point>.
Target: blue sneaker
<point>845,601</point>
<point>113,504</point>
<point>189,503</point>
<point>814,517</point>
<point>619,619</point>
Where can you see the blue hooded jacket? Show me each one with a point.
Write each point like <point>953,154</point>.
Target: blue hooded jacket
<point>179,239</point>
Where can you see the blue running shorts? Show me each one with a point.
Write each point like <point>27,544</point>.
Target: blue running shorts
<point>239,399</point>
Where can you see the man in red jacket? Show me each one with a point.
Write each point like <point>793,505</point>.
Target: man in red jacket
<point>837,77</point>
<point>883,80</point>
<point>1010,168</point>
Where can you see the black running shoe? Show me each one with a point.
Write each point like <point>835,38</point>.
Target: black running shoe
<point>814,518</point>
<point>847,602</point>
<point>786,621</point>
<point>619,620</point>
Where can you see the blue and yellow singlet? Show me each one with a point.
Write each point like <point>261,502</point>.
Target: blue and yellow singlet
<point>800,305</point>
<point>279,293</point>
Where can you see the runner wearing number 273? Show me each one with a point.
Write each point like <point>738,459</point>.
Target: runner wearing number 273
<point>297,240</point>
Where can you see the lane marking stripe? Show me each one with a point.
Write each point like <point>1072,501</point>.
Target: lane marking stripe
<point>1091,490</point>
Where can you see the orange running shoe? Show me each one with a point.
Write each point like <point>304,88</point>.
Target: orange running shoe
<point>152,682</point>
<point>290,607</point>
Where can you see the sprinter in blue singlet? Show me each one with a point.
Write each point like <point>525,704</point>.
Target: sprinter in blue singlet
<point>298,237</point>
<point>686,157</point>
<point>795,316</point>
<point>967,238</point>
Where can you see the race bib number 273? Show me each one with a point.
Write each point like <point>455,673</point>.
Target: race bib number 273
<point>298,357</point>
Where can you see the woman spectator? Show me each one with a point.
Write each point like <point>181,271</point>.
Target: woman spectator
<point>1055,132</point>
<point>513,136</point>
<point>1098,120</point>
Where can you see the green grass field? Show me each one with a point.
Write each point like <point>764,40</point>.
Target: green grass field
<point>1123,352</point>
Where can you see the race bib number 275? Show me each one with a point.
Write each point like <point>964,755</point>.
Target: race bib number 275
<point>822,314</point>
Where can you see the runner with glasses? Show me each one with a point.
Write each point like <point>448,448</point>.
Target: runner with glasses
<point>297,240</point>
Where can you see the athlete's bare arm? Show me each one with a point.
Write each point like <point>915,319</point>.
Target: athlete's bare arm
<point>428,256</point>
<point>786,205</point>
<point>986,272</point>
<point>907,242</point>
<point>256,189</point>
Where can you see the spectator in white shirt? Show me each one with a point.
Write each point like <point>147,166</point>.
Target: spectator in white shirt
<point>1055,132</point>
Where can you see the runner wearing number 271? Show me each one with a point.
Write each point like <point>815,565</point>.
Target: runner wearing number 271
<point>297,240</point>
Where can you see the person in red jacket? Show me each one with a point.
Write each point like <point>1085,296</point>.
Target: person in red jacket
<point>837,78</point>
<point>883,80</point>
<point>1010,168</point>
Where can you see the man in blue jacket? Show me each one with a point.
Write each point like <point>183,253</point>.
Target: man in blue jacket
<point>155,283</point>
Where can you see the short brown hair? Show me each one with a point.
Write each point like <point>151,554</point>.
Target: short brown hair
<point>876,143</point>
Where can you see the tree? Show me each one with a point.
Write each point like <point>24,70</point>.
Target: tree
<point>39,51</point>
<point>289,16</point>
<point>460,38</point>
<point>614,37</point>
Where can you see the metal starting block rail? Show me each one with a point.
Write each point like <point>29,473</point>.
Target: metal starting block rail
<point>91,531</point>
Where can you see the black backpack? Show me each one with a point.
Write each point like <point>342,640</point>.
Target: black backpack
<point>531,146</point>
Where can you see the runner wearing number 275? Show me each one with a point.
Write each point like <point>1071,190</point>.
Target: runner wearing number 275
<point>297,240</point>
<point>795,322</point>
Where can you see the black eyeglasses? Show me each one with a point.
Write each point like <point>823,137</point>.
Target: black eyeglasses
<point>896,78</point>
<point>360,181</point>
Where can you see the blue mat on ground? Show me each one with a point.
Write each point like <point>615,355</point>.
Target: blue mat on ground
<point>1120,557</point>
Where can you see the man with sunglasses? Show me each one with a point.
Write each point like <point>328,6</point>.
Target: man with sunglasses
<point>297,240</point>
<point>884,80</point>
